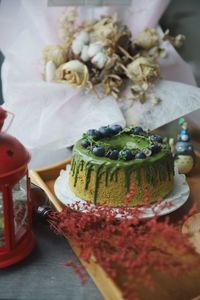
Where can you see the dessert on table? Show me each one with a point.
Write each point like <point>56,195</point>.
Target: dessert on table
<point>113,164</point>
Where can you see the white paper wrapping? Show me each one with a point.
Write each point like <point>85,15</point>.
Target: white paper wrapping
<point>177,99</point>
<point>49,116</point>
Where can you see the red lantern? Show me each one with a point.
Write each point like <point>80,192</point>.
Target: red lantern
<point>16,237</point>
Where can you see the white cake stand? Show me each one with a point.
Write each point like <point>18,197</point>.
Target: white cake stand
<point>172,202</point>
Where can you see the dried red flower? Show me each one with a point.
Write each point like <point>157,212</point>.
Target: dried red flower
<point>129,245</point>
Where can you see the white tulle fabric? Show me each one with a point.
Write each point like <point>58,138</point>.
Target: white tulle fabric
<point>50,116</point>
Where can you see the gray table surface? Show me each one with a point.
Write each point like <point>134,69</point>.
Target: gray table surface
<point>43,274</point>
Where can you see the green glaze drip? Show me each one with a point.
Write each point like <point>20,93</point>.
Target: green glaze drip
<point>97,176</point>
<point>102,171</point>
<point>157,168</point>
<point>137,176</point>
<point>127,173</point>
<point>88,169</point>
<point>76,174</point>
<point>115,178</point>
<point>170,168</point>
<point>162,172</point>
<point>113,173</point>
<point>150,174</point>
<point>107,176</point>
<point>73,163</point>
<point>82,164</point>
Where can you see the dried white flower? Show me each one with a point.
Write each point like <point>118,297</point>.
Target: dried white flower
<point>99,60</point>
<point>147,38</point>
<point>77,46</point>
<point>176,41</point>
<point>144,86</point>
<point>54,53</point>
<point>68,17</point>
<point>62,19</point>
<point>138,93</point>
<point>84,53</point>
<point>73,72</point>
<point>62,33</point>
<point>162,53</point>
<point>157,52</point>
<point>83,37</point>
<point>104,29</point>
<point>179,41</point>
<point>67,23</point>
<point>50,70</point>
<point>143,69</point>
<point>94,48</point>
<point>155,100</point>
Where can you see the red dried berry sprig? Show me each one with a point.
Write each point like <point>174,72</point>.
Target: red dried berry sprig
<point>128,246</point>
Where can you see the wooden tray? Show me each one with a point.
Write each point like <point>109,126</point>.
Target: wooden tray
<point>165,288</point>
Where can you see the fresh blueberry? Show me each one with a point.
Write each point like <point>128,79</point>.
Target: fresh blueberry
<point>155,148</point>
<point>93,133</point>
<point>137,130</point>
<point>140,155</point>
<point>156,138</point>
<point>85,143</point>
<point>116,128</point>
<point>126,155</point>
<point>105,131</point>
<point>114,154</point>
<point>99,151</point>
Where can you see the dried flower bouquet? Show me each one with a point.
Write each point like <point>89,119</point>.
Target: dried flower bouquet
<point>104,53</point>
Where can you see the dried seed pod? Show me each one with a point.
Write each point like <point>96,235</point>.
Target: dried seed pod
<point>50,70</point>
<point>77,46</point>
<point>176,41</point>
<point>94,48</point>
<point>179,41</point>
<point>99,60</point>
<point>83,37</point>
<point>84,53</point>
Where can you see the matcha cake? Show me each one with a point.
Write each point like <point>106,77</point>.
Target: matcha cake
<point>110,164</point>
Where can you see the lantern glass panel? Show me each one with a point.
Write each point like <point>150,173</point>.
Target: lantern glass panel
<point>1,221</point>
<point>20,208</point>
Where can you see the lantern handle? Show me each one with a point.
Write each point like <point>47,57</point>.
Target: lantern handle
<point>3,116</point>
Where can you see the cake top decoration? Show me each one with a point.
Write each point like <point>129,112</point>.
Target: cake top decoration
<point>117,143</point>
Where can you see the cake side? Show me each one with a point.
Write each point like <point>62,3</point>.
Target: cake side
<point>106,181</point>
